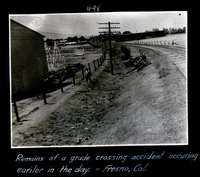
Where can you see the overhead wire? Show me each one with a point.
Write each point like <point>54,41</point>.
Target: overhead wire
<point>73,22</point>
<point>76,18</point>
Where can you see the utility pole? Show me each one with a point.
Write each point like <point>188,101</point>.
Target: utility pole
<point>110,45</point>
<point>110,48</point>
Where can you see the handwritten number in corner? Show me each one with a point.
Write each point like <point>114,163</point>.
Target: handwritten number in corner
<point>94,8</point>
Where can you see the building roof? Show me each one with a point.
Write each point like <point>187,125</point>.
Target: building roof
<point>26,27</point>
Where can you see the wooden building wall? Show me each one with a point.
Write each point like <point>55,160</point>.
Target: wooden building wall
<point>28,59</point>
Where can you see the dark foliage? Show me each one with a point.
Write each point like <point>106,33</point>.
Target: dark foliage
<point>126,52</point>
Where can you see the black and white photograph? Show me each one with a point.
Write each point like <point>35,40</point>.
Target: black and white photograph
<point>98,79</point>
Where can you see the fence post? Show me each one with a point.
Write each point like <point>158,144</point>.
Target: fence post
<point>43,89</point>
<point>94,65</point>
<point>89,67</point>
<point>82,71</point>
<point>16,111</point>
<point>73,77</point>
<point>60,82</point>
<point>98,62</point>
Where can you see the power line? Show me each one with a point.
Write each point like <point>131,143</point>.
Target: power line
<point>73,22</point>
<point>64,20</point>
<point>110,45</point>
<point>21,31</point>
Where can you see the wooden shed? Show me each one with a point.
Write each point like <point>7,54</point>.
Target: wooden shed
<point>28,60</point>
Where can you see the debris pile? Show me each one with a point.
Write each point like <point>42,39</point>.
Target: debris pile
<point>138,62</point>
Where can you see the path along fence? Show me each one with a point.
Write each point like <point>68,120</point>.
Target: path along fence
<point>76,77</point>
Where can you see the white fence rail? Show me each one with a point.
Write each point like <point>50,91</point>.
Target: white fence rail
<point>143,42</point>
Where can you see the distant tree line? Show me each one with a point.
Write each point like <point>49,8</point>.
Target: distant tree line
<point>170,30</point>
<point>50,42</point>
<point>75,39</point>
<point>174,30</point>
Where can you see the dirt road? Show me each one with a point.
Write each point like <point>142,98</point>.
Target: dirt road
<point>146,107</point>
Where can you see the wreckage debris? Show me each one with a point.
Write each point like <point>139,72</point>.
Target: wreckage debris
<point>138,63</point>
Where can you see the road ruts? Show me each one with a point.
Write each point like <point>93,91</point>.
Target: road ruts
<point>175,53</point>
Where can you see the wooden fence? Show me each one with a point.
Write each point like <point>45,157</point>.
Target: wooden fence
<point>76,77</point>
<point>159,43</point>
<point>92,66</point>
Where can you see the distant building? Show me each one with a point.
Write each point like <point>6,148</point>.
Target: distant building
<point>126,32</point>
<point>71,43</point>
<point>28,59</point>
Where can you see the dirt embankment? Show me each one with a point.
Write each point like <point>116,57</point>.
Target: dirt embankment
<point>146,107</point>
<point>151,108</point>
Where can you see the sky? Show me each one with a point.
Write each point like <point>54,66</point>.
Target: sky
<point>86,24</point>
